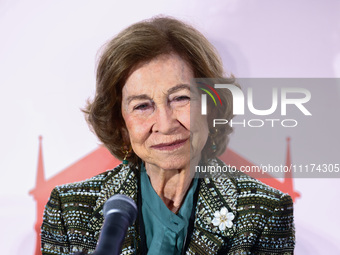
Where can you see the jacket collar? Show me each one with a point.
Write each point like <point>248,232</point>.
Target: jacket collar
<point>121,180</point>
<point>213,195</point>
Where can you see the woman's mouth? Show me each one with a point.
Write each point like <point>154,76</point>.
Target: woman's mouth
<point>170,146</point>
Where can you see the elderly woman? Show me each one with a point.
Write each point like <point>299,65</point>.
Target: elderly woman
<point>147,113</point>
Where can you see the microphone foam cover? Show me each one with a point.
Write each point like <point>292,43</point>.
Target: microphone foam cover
<point>121,204</point>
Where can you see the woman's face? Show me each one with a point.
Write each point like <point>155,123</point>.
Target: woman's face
<point>156,109</point>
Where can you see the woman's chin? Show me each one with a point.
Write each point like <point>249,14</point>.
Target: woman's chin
<point>172,163</point>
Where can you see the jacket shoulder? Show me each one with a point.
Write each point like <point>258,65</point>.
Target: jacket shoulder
<point>88,187</point>
<point>68,213</point>
<point>249,187</point>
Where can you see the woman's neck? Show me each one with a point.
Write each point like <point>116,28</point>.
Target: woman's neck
<point>170,185</point>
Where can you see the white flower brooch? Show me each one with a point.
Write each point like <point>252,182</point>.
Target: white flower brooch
<point>223,219</point>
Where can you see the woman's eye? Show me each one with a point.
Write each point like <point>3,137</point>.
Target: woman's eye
<point>141,107</point>
<point>181,98</point>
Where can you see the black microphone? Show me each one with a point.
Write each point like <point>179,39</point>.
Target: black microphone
<point>120,212</point>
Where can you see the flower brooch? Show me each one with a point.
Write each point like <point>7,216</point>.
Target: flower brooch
<point>223,219</point>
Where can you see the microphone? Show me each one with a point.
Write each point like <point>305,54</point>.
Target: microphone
<point>120,212</point>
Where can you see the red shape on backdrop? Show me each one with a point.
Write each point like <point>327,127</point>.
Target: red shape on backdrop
<point>101,160</point>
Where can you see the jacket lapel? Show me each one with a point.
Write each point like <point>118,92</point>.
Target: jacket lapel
<point>213,195</point>
<point>120,181</point>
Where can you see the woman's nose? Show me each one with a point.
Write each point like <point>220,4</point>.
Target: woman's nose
<point>166,121</point>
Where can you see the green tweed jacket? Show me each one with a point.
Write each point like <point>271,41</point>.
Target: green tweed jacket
<point>263,222</point>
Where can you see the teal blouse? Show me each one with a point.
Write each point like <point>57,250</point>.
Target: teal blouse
<point>165,231</point>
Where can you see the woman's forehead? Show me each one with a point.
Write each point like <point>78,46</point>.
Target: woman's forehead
<point>161,73</point>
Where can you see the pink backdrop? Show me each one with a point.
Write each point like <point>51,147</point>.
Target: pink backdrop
<point>47,58</point>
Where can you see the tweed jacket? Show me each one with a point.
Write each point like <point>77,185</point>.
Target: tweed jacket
<point>263,222</point>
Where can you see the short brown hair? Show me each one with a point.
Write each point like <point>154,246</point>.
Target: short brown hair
<point>141,42</point>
